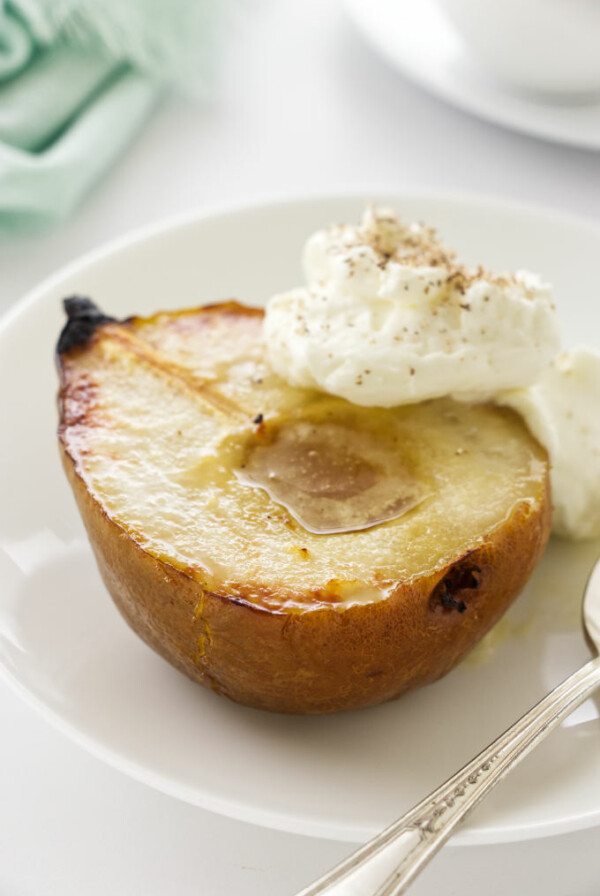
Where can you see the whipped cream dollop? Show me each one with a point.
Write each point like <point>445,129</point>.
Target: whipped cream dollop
<point>562,410</point>
<point>389,317</point>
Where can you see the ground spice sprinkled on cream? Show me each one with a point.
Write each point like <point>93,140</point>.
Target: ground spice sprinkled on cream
<point>388,297</point>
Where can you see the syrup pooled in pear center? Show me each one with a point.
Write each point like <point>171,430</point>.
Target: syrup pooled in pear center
<point>334,470</point>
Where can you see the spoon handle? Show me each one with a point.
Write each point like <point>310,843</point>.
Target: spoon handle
<point>387,864</point>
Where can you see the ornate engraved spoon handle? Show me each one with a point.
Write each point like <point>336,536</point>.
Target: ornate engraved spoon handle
<point>389,863</point>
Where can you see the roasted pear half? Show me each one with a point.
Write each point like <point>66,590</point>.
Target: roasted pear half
<point>289,550</point>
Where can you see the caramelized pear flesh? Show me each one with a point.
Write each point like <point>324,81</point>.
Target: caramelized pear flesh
<point>288,549</point>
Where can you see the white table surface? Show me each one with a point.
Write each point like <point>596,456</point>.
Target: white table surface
<point>303,105</point>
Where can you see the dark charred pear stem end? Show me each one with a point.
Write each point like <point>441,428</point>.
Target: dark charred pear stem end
<point>83,319</point>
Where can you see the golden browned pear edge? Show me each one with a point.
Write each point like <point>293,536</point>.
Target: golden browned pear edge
<point>313,660</point>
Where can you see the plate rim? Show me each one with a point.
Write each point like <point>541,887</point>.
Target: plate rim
<point>277,199</point>
<point>269,818</point>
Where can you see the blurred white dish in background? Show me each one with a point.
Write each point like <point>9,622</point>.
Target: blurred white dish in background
<point>420,41</point>
<point>548,46</point>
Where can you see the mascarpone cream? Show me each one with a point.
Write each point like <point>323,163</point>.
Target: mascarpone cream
<point>390,317</point>
<point>562,410</point>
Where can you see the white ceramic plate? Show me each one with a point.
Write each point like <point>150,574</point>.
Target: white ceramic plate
<point>420,41</point>
<point>66,649</point>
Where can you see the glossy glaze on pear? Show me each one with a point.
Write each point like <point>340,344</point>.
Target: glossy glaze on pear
<point>175,436</point>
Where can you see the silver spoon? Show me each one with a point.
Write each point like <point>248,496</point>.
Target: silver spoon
<point>387,864</point>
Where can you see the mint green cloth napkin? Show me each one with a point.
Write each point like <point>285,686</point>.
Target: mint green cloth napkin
<point>67,109</point>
